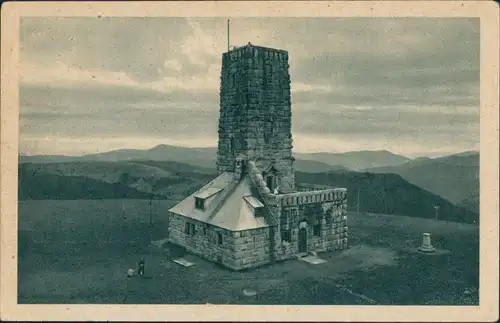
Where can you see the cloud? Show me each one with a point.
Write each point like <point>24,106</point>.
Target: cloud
<point>356,82</point>
<point>115,111</point>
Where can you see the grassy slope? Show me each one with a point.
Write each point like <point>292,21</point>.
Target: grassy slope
<point>471,202</point>
<point>79,252</point>
<point>103,171</point>
<point>455,178</point>
<point>48,186</point>
<point>356,160</point>
<point>169,179</point>
<point>390,194</point>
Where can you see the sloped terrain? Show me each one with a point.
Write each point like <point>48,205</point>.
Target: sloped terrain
<point>389,194</point>
<point>455,178</point>
<point>78,252</point>
<point>76,180</point>
<point>109,172</point>
<point>379,193</point>
<point>205,157</point>
<point>356,160</point>
<point>50,187</point>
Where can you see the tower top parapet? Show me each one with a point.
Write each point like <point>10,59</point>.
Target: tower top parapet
<point>257,48</point>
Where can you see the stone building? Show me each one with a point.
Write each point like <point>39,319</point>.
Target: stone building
<point>252,213</point>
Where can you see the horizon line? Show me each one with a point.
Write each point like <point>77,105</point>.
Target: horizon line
<point>215,147</point>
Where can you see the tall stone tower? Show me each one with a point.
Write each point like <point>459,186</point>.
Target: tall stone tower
<point>255,114</point>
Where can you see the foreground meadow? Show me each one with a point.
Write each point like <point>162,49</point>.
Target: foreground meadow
<point>79,252</point>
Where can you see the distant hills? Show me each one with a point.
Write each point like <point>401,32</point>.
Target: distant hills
<point>388,194</point>
<point>380,193</point>
<point>455,177</point>
<point>357,160</point>
<point>48,186</point>
<point>205,157</point>
<point>195,156</point>
<point>200,157</point>
<point>144,179</point>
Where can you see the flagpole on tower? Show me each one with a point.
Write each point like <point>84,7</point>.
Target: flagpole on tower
<point>228,35</point>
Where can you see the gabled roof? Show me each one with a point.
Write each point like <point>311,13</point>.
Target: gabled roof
<point>229,208</point>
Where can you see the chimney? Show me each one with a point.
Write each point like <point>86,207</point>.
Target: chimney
<point>239,169</point>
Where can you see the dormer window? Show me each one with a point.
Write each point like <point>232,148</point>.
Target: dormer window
<point>257,206</point>
<point>203,197</point>
<point>259,212</point>
<point>199,203</point>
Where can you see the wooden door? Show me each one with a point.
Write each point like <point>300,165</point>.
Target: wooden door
<point>302,240</point>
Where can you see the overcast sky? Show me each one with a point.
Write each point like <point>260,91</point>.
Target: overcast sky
<point>407,85</point>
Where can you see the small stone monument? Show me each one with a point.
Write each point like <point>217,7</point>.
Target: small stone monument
<point>426,243</point>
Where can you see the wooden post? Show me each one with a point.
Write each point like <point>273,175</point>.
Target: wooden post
<point>150,218</point>
<point>358,202</point>
<point>436,207</point>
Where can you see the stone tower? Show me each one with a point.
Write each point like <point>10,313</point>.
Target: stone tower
<point>255,114</point>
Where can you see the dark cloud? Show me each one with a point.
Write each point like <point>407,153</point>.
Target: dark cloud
<point>385,121</point>
<point>415,79</point>
<point>115,111</point>
<point>88,96</point>
<point>384,95</point>
<point>113,44</point>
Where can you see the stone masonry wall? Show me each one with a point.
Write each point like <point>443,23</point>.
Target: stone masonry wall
<point>251,248</point>
<point>327,207</point>
<point>239,249</point>
<point>255,110</point>
<point>201,244</point>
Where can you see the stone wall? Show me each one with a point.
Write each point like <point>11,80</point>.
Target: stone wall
<point>328,208</point>
<point>306,197</point>
<point>204,242</point>
<point>239,249</point>
<point>255,111</point>
<point>252,248</point>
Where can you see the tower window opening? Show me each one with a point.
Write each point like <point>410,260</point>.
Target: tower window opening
<point>270,182</point>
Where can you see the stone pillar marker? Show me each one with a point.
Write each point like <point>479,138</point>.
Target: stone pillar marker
<point>426,243</point>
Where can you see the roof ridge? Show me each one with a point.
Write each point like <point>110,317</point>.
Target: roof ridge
<point>229,189</point>
<point>260,189</point>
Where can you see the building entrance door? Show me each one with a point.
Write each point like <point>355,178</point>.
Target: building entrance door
<point>303,239</point>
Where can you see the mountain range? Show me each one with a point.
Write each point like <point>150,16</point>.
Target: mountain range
<point>454,177</point>
<point>379,193</point>
<point>203,157</point>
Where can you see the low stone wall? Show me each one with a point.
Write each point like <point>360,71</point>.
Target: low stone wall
<point>307,197</point>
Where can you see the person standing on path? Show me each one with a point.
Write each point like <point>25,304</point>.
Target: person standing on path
<point>142,265</point>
